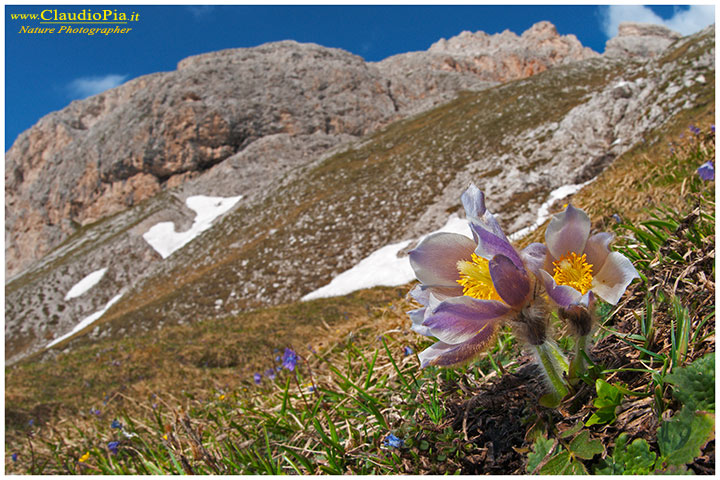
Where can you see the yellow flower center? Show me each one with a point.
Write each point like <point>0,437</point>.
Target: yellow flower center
<point>574,271</point>
<point>475,279</point>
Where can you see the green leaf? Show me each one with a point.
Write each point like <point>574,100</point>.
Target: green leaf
<point>633,459</point>
<point>608,399</point>
<point>638,458</point>
<point>695,384</point>
<point>557,465</point>
<point>681,439</point>
<point>563,464</point>
<point>585,448</point>
<point>541,448</point>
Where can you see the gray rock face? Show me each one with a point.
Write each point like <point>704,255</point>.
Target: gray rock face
<point>106,153</point>
<point>471,61</point>
<point>640,40</point>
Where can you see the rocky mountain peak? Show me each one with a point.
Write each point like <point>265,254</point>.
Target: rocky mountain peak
<point>640,40</point>
<point>541,38</point>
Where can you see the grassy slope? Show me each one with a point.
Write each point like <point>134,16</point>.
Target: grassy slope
<point>187,368</point>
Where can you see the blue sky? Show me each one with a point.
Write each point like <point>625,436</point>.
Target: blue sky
<point>44,72</point>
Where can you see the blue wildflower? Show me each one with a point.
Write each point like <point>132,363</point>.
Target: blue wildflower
<point>14,457</point>
<point>393,441</point>
<point>115,424</point>
<point>407,351</point>
<point>113,447</point>
<point>289,359</point>
<point>95,411</point>
<point>617,218</point>
<point>712,127</point>
<point>695,130</point>
<point>31,422</point>
<point>707,171</point>
<point>270,373</point>
<point>257,378</point>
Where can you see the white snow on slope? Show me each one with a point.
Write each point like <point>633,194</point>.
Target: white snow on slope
<point>383,267</point>
<point>544,210</point>
<point>86,321</point>
<point>85,284</point>
<point>165,240</point>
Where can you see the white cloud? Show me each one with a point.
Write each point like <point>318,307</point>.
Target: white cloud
<point>685,22</point>
<point>84,87</point>
<point>200,11</point>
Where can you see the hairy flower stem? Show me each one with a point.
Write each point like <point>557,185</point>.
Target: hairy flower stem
<point>554,365</point>
<point>578,365</point>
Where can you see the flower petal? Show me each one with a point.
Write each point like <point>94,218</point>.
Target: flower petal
<point>490,244</point>
<point>562,295</point>
<point>534,256</point>
<point>474,202</point>
<point>567,232</point>
<point>419,315</point>
<point>443,354</point>
<point>613,279</point>
<point>459,319</point>
<point>510,282</point>
<point>435,259</point>
<point>420,295</point>
<point>597,250</point>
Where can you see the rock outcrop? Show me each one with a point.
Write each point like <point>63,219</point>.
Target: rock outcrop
<point>640,40</point>
<point>106,153</point>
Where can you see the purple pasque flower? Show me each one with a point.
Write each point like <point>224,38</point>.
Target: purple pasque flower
<point>579,266</point>
<point>469,287</point>
<point>707,171</point>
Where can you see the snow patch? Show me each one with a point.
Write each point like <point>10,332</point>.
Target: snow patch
<point>85,284</point>
<point>544,210</point>
<point>383,267</point>
<point>87,321</point>
<point>165,240</point>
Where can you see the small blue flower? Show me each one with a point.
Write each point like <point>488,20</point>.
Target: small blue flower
<point>707,171</point>
<point>257,378</point>
<point>407,351</point>
<point>115,424</point>
<point>712,127</point>
<point>289,359</point>
<point>617,218</point>
<point>270,373</point>
<point>31,422</point>
<point>95,411</point>
<point>695,130</point>
<point>393,441</point>
<point>113,447</point>
<point>14,457</point>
